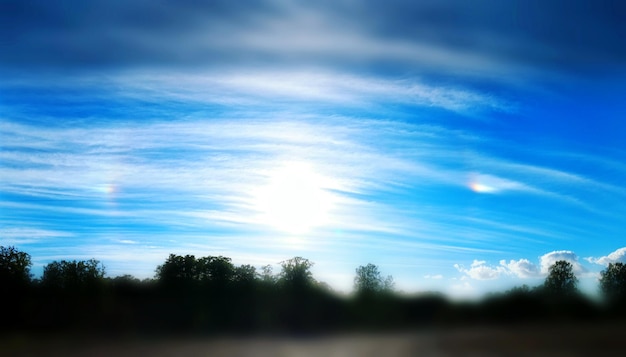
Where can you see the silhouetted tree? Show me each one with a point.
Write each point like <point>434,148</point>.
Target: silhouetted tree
<point>178,270</point>
<point>561,280</point>
<point>73,275</point>
<point>372,308</point>
<point>389,284</point>
<point>210,294</point>
<point>14,282</point>
<point>125,284</point>
<point>369,280</point>
<point>296,287</point>
<point>267,275</point>
<point>520,303</point>
<point>216,270</point>
<point>613,283</point>
<point>14,268</point>
<point>296,272</point>
<point>245,274</point>
<point>73,293</point>
<point>125,279</point>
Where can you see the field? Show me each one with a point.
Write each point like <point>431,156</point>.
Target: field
<point>562,340</point>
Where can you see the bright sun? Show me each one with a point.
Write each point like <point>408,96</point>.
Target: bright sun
<point>294,200</point>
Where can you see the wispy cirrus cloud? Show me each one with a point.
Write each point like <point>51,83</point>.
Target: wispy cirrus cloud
<point>121,162</point>
<point>275,88</point>
<point>196,175</point>
<point>17,234</point>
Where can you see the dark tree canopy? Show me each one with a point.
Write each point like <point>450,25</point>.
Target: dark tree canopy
<point>210,294</point>
<point>73,275</point>
<point>267,274</point>
<point>178,269</point>
<point>211,271</point>
<point>14,266</point>
<point>125,279</point>
<point>613,282</point>
<point>561,280</point>
<point>296,272</point>
<point>245,274</point>
<point>217,270</point>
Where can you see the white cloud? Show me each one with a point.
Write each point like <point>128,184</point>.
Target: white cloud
<point>618,256</point>
<point>548,259</point>
<point>479,270</point>
<point>522,268</point>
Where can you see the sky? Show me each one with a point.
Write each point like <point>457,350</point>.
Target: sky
<point>462,147</point>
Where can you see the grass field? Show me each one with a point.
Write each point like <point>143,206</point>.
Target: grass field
<point>561,340</point>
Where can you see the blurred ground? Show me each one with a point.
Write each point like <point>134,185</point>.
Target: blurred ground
<point>561,340</point>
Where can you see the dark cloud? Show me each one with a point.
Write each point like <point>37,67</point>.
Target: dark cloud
<point>570,33</point>
<point>465,36</point>
<point>116,33</point>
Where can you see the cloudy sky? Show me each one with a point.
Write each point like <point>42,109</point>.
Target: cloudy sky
<point>460,146</point>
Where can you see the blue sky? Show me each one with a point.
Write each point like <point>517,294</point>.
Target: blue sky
<point>460,146</point>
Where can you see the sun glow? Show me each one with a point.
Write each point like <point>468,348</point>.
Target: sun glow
<point>295,199</point>
<point>481,188</point>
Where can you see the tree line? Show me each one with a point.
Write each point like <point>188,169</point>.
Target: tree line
<point>213,295</point>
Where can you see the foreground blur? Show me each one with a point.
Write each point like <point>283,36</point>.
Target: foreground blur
<point>553,340</point>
